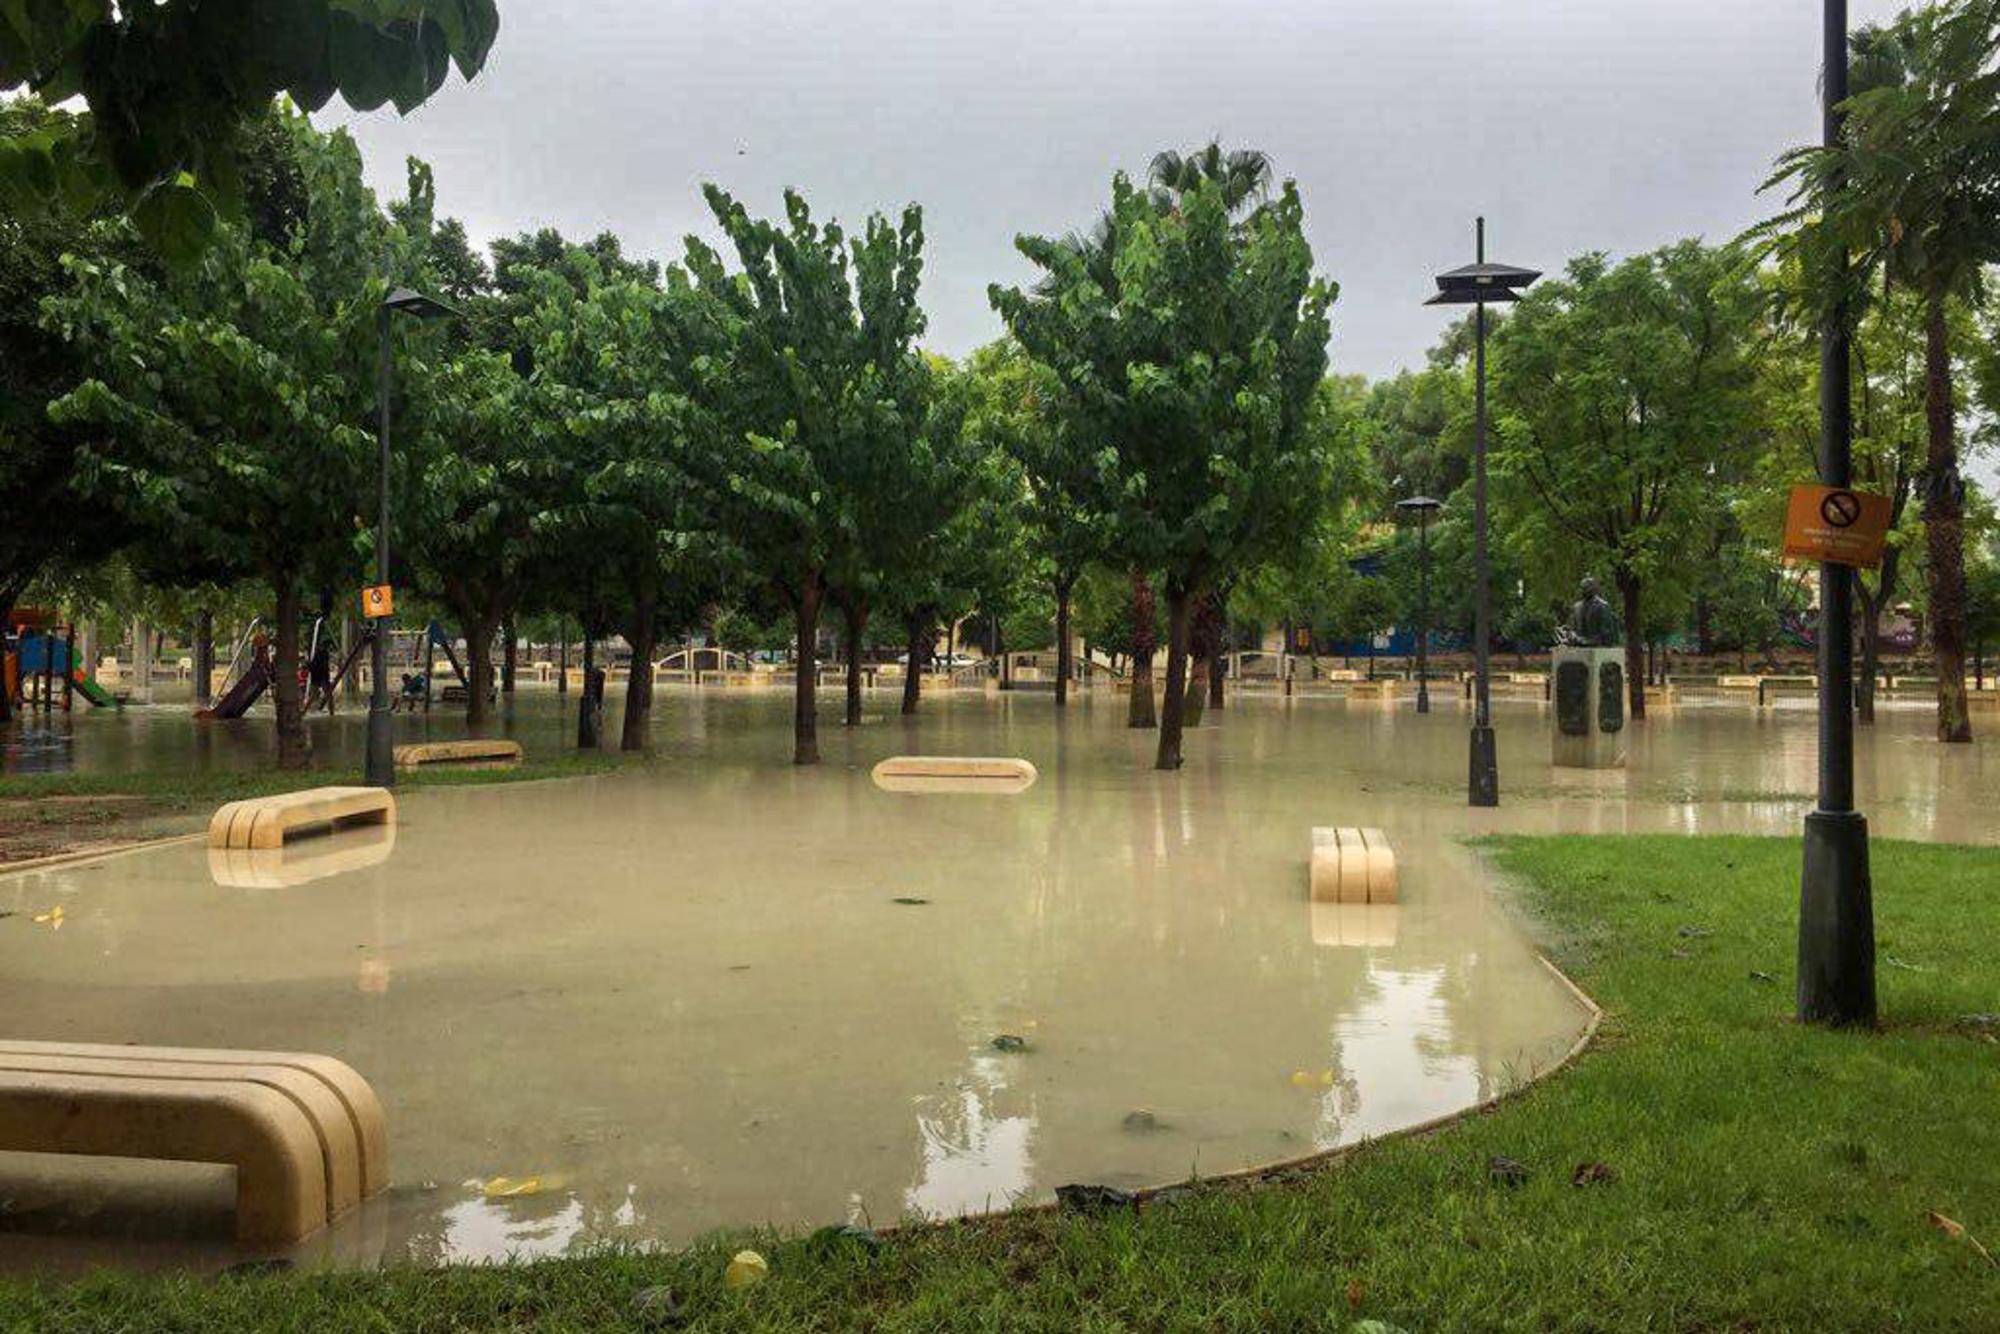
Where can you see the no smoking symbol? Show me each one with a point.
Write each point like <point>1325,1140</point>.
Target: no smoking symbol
<point>1841,509</point>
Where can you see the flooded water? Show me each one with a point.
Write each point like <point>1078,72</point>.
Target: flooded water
<point>711,989</point>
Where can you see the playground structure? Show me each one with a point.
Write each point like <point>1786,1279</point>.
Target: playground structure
<point>41,668</point>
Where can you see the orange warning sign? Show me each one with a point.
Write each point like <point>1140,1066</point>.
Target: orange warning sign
<point>378,601</point>
<point>1834,524</point>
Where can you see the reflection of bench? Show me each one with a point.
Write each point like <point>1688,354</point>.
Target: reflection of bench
<point>476,751</point>
<point>1352,866</point>
<point>299,863</point>
<point>1380,688</point>
<point>266,822</point>
<point>1354,924</point>
<point>954,773</point>
<point>305,1133</point>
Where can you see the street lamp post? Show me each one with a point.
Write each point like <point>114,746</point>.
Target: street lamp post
<point>1478,285</point>
<point>381,763</point>
<point>1836,957</point>
<point>1423,507</point>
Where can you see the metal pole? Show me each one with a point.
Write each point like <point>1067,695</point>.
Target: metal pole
<point>1423,610</point>
<point>1836,959</point>
<point>1483,781</point>
<point>381,770</point>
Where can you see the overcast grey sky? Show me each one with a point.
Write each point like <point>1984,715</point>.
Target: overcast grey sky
<point>1572,124</point>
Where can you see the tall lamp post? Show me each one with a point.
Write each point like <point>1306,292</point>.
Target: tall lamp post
<point>1423,507</point>
<point>381,766</point>
<point>1836,960</point>
<point>1479,285</point>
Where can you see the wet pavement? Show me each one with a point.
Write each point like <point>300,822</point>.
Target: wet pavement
<point>711,989</point>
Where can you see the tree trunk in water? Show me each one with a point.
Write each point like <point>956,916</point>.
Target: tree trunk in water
<point>1944,530</point>
<point>1140,710</point>
<point>642,635</point>
<point>856,622</point>
<point>478,669</point>
<point>204,658</point>
<point>1635,660</point>
<point>562,656</point>
<point>1868,610</point>
<point>510,657</point>
<point>590,699</point>
<point>1064,663</point>
<point>1173,706</point>
<point>917,649</point>
<point>1195,701</point>
<point>805,725</point>
<point>1218,672</point>
<point>294,744</point>
<point>6,696</point>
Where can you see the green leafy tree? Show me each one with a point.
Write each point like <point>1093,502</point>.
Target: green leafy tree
<point>229,399</point>
<point>170,87</point>
<point>1625,395</point>
<point>1062,477</point>
<point>50,522</point>
<point>1196,371</point>
<point>1913,192</point>
<point>818,375</point>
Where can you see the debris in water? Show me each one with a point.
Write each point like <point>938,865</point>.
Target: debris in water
<point>909,902</point>
<point>1305,1079</point>
<point>1010,1042</point>
<point>53,918</point>
<point>1140,1121</point>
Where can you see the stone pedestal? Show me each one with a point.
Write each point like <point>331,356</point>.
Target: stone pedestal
<point>1589,694</point>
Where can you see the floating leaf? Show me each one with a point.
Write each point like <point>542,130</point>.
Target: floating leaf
<point>53,918</point>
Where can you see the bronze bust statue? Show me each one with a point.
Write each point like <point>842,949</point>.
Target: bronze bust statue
<point>1592,624</point>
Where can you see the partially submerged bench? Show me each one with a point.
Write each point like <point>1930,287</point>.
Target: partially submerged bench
<point>305,1133</point>
<point>954,773</point>
<point>266,822</point>
<point>474,751</point>
<point>1352,866</point>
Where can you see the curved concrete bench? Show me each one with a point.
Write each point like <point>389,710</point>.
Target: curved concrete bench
<point>477,751</point>
<point>359,1110</point>
<point>1352,866</point>
<point>305,1133</point>
<point>954,773</point>
<point>266,822</point>
<point>280,1173</point>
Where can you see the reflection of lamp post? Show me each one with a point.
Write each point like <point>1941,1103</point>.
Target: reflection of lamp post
<point>381,764</point>
<point>1477,285</point>
<point>1423,507</point>
<point>1836,982</point>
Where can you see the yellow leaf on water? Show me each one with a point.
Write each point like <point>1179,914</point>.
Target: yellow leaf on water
<point>53,918</point>
<point>508,1188</point>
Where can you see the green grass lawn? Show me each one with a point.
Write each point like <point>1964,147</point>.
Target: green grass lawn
<point>1763,1176</point>
<point>54,814</point>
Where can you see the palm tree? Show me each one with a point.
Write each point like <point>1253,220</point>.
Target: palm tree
<point>1914,194</point>
<point>1243,173</point>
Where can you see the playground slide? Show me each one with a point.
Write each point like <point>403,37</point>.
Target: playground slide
<point>249,688</point>
<point>92,691</point>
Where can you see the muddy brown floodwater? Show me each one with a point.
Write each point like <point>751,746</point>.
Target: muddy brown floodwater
<point>713,989</point>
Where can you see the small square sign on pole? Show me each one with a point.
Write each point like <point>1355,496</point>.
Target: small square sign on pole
<point>1836,525</point>
<point>378,601</point>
